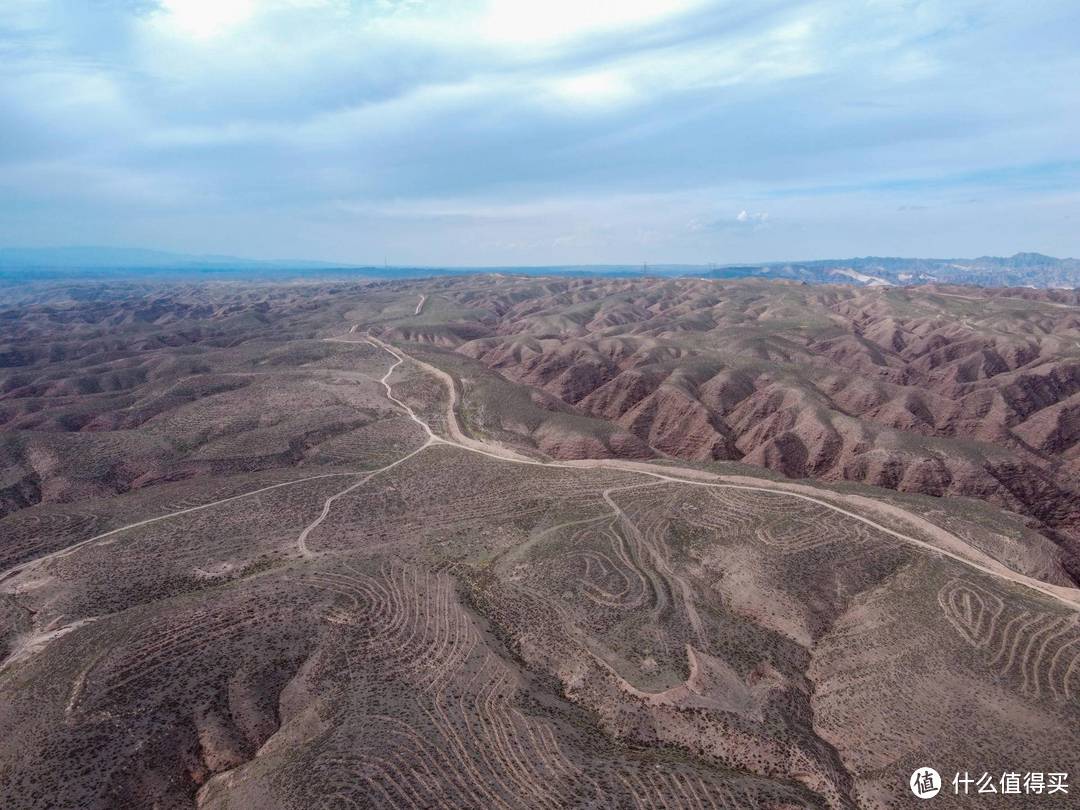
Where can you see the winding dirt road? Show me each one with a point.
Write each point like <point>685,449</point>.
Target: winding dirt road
<point>301,541</point>
<point>64,552</point>
<point>951,546</point>
<point>948,544</point>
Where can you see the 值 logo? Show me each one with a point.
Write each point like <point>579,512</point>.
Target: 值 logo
<point>925,783</point>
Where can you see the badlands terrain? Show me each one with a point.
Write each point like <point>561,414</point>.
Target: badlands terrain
<point>495,542</point>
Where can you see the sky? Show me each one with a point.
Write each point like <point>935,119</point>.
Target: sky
<point>555,132</point>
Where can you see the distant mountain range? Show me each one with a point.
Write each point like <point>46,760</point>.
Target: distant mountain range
<point>1019,270</point>
<point>22,265</point>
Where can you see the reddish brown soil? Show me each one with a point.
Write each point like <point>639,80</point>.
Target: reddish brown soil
<point>929,390</point>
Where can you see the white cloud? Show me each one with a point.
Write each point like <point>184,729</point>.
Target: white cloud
<point>534,116</point>
<point>743,224</point>
<point>752,218</point>
<point>516,22</point>
<point>204,18</point>
<point>599,88</point>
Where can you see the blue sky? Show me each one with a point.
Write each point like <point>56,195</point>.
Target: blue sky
<point>563,131</point>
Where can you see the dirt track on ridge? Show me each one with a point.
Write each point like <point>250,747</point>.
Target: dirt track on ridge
<point>951,545</point>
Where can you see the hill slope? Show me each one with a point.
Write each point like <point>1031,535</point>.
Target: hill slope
<point>253,556</point>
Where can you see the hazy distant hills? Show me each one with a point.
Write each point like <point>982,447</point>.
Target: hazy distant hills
<point>116,258</point>
<point>21,265</point>
<point>98,263</point>
<point>1020,270</point>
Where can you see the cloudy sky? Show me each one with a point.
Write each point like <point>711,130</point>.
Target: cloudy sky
<point>562,131</point>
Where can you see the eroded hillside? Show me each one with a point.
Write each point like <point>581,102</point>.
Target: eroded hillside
<point>939,391</point>
<point>254,555</point>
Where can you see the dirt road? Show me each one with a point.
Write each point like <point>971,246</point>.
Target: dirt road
<point>38,561</point>
<point>301,541</point>
<point>948,544</point>
<point>951,546</point>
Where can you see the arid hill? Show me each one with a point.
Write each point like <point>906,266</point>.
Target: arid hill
<point>940,391</point>
<point>507,543</point>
